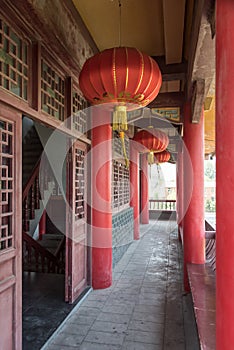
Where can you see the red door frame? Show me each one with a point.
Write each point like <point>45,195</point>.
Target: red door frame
<point>76,227</point>
<point>11,256</point>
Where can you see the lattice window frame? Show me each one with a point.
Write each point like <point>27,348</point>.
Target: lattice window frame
<point>120,174</point>
<point>79,184</point>
<point>79,112</point>
<point>14,62</point>
<point>7,187</point>
<point>52,90</point>
<point>120,186</point>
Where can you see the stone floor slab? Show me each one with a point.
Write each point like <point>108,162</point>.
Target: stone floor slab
<point>143,308</point>
<point>105,338</point>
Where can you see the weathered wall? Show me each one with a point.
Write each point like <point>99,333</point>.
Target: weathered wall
<point>58,26</point>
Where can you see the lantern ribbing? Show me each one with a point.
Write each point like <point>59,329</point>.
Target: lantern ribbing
<point>121,76</point>
<point>162,157</point>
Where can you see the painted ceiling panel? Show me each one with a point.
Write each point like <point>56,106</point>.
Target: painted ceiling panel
<point>141,23</point>
<point>173,14</point>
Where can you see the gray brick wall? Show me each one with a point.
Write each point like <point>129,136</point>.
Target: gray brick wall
<point>122,233</point>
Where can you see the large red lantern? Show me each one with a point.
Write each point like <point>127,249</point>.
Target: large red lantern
<point>151,142</point>
<point>123,77</point>
<point>162,157</point>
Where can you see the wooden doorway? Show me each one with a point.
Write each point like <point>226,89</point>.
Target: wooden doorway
<point>10,234</point>
<point>77,240</point>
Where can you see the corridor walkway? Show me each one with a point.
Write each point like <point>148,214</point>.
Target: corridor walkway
<point>143,310</point>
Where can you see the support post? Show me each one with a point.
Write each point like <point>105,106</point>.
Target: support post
<point>134,188</point>
<point>42,225</point>
<point>224,174</point>
<point>179,199</point>
<point>193,222</point>
<point>144,190</point>
<point>101,198</point>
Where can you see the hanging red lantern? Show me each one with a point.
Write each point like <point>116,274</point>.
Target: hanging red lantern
<point>154,140</point>
<point>151,142</point>
<point>162,157</point>
<point>123,77</point>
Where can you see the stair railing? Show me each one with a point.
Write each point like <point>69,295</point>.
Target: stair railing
<point>31,197</point>
<point>32,194</point>
<point>59,253</point>
<point>38,259</point>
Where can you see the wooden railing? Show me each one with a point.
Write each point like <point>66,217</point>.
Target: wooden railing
<point>38,259</point>
<point>60,251</point>
<point>33,192</point>
<point>31,197</point>
<point>162,204</point>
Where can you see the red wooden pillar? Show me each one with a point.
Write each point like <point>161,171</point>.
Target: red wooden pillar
<point>193,222</point>
<point>179,199</point>
<point>144,190</point>
<point>101,198</point>
<point>134,188</point>
<point>42,225</point>
<point>224,175</point>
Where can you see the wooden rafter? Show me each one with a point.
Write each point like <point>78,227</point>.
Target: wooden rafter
<point>168,99</point>
<point>173,30</point>
<point>170,72</point>
<point>198,99</point>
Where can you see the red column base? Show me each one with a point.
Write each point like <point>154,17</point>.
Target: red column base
<point>101,268</point>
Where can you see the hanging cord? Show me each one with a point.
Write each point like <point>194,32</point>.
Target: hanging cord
<point>150,126</point>
<point>121,136</point>
<point>120,29</point>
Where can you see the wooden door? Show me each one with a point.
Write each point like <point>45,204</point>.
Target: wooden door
<point>10,234</point>
<point>76,242</point>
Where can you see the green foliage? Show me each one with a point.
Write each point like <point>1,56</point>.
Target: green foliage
<point>210,205</point>
<point>210,170</point>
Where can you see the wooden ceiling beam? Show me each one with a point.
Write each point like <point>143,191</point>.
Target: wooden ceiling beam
<point>168,99</point>
<point>173,20</point>
<point>198,97</point>
<point>170,72</point>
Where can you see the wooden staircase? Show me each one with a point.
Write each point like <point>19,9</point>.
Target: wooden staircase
<point>46,255</point>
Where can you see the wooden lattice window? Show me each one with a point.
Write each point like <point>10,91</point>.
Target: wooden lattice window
<point>52,91</point>
<point>6,183</point>
<point>79,184</point>
<point>79,113</point>
<point>120,185</point>
<point>13,62</point>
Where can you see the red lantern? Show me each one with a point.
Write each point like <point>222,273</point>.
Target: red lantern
<point>124,77</point>
<point>162,157</point>
<point>152,141</point>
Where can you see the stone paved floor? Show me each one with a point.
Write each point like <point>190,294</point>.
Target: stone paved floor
<point>143,310</point>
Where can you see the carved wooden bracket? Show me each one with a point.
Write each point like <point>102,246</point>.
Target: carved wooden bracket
<point>198,96</point>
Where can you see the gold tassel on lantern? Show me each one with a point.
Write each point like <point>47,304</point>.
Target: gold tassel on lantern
<point>120,121</point>
<point>121,136</point>
<point>151,158</point>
